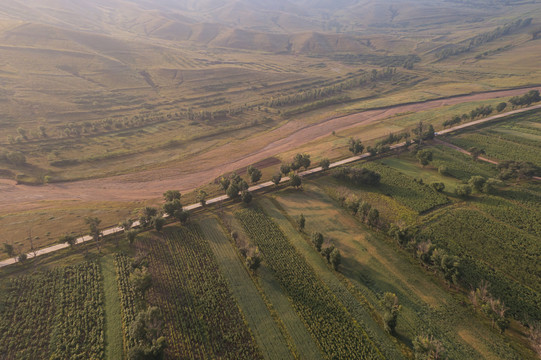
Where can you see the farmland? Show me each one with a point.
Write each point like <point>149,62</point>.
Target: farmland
<point>517,139</point>
<point>137,116</point>
<point>201,316</point>
<point>328,321</point>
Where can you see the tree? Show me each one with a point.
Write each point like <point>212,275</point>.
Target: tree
<point>9,250</point>
<point>443,170</point>
<point>246,197</point>
<point>147,330</point>
<point>391,308</point>
<point>424,157</point>
<point>475,152</point>
<point>355,146</point>
<point>131,235</point>
<point>373,217</point>
<point>490,186</point>
<point>326,252</point>
<point>285,169</point>
<point>325,164</point>
<point>363,210</point>
<point>22,258</point>
<point>301,160</point>
<point>477,182</point>
<point>335,258</point>
<point>438,186</point>
<point>253,261</point>
<point>535,337</point>
<point>501,106</point>
<point>182,216</point>
<point>450,267</point>
<point>254,174</point>
<point>94,223</point>
<point>276,178</point>
<point>147,215</point>
<point>171,195</point>
<point>418,132</point>
<point>172,207</point>
<point>232,191</point>
<point>295,180</point>
<point>428,348</point>
<point>301,222</point>
<point>141,281</point>
<point>463,190</point>
<point>159,222</point>
<point>68,239</point>
<point>317,240</point>
<point>202,197</point>
<point>16,158</point>
<point>224,182</point>
<point>126,224</point>
<point>22,132</point>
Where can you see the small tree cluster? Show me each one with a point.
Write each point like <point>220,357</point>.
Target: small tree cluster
<point>13,157</point>
<point>172,207</point>
<point>233,185</point>
<point>363,210</point>
<point>439,260</point>
<point>357,176</point>
<point>391,308</point>
<point>146,330</point>
<point>493,308</point>
<point>518,170</point>
<point>300,160</point>
<point>530,97</point>
<point>325,164</point>
<point>94,223</point>
<point>355,146</point>
<point>424,157</point>
<point>428,348</point>
<point>254,174</point>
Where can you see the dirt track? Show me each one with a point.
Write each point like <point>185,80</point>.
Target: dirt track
<point>186,175</point>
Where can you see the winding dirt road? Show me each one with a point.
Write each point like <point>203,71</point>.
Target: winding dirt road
<point>187,175</point>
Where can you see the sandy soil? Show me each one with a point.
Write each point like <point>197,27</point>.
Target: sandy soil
<point>186,175</point>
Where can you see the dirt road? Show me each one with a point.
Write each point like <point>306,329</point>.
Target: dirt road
<point>187,175</point>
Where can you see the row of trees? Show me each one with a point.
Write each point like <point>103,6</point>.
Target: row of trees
<point>484,38</point>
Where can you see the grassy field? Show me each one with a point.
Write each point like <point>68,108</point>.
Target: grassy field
<point>114,348</point>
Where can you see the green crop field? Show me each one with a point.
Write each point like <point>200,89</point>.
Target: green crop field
<point>54,315</point>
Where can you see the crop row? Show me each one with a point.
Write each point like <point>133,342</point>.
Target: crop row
<point>57,314</point>
<point>127,296</point>
<point>331,326</point>
<point>201,315</point>
<point>402,188</point>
